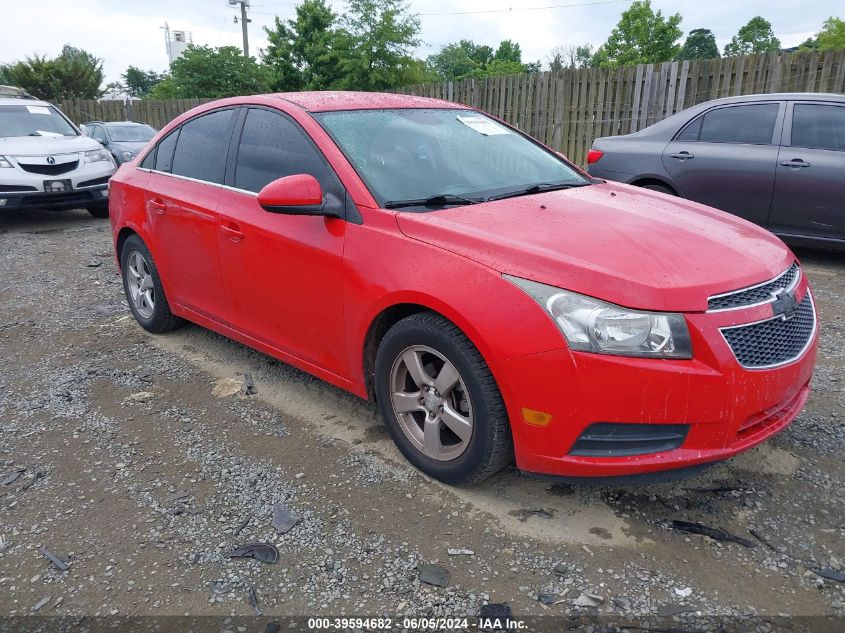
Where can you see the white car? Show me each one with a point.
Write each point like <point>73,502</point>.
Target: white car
<point>46,162</point>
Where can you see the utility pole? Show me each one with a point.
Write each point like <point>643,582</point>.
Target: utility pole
<point>244,22</point>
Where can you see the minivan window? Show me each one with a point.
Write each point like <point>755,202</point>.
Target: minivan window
<point>818,126</point>
<point>33,120</point>
<point>201,149</point>
<point>752,124</point>
<point>164,153</point>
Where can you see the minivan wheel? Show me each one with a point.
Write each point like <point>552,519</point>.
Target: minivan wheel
<point>99,210</point>
<point>440,402</point>
<point>142,285</point>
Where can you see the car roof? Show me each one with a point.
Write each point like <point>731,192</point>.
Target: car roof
<point>115,123</point>
<point>780,96</point>
<point>325,101</point>
<point>22,101</point>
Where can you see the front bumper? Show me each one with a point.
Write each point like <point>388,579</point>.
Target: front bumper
<point>728,408</point>
<point>75,199</point>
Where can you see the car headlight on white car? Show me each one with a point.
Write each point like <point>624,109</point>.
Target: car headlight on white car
<point>97,155</point>
<point>592,325</point>
<point>4,162</point>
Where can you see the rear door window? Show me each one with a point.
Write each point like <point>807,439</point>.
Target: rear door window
<point>202,146</point>
<point>818,126</point>
<point>272,147</point>
<point>752,124</point>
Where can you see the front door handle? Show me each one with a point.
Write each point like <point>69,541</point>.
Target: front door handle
<point>157,205</point>
<point>795,162</point>
<point>232,232</point>
<point>682,155</point>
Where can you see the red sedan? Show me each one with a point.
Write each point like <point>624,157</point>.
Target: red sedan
<point>495,300</point>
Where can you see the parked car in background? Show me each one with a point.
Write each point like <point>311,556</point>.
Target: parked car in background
<point>777,160</point>
<point>124,139</point>
<point>490,296</point>
<point>45,161</point>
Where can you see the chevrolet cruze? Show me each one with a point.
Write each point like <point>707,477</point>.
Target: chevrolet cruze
<point>496,301</point>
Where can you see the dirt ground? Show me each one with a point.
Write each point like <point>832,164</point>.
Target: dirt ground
<point>146,466</point>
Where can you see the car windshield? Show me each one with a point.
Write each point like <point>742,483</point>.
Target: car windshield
<point>33,120</point>
<point>438,157</point>
<point>130,133</point>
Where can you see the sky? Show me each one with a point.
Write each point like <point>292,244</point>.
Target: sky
<point>129,32</point>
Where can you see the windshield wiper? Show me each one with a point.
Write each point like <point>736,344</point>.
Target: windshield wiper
<point>540,187</point>
<point>438,200</point>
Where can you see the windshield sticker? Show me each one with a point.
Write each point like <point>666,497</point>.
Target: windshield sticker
<point>483,125</point>
<point>38,109</point>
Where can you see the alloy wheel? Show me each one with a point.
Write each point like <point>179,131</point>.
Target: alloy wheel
<point>431,403</point>
<point>140,283</point>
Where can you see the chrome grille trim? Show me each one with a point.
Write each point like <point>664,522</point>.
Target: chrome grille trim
<point>723,301</point>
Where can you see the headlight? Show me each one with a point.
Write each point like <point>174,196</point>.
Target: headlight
<point>591,325</point>
<point>128,155</point>
<point>96,155</point>
<point>4,162</point>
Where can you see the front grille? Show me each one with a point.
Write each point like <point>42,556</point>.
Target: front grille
<point>14,188</point>
<point>50,170</point>
<point>610,439</point>
<point>754,295</point>
<point>775,341</point>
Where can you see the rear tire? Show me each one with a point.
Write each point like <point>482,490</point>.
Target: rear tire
<point>99,210</point>
<point>470,439</point>
<point>661,189</point>
<point>142,285</point>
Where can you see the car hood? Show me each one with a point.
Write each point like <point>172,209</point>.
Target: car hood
<point>42,145</point>
<point>623,244</point>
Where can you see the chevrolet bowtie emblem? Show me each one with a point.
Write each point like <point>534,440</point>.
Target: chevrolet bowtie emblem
<point>785,306</point>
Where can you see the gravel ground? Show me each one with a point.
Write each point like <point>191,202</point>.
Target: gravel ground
<point>141,464</point>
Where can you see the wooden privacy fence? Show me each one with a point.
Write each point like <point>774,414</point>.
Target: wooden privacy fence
<point>568,109</point>
<point>155,113</point>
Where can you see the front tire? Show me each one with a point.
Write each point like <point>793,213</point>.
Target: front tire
<point>142,285</point>
<point>440,402</point>
<point>99,210</point>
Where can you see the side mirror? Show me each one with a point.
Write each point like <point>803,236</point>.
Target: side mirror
<point>294,195</point>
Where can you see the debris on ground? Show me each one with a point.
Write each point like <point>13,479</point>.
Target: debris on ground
<point>58,563</point>
<point>283,518</point>
<point>41,603</point>
<point>436,575</point>
<point>831,574</point>
<point>264,552</point>
<point>588,600</point>
<point>248,388</point>
<point>717,534</point>
<point>12,477</point>
<point>459,551</point>
<point>495,611</point>
<point>684,592</point>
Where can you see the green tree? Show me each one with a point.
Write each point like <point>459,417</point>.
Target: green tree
<point>305,52</point>
<point>832,36</point>
<point>755,37</point>
<point>700,44</point>
<point>377,45</point>
<point>163,90</point>
<point>460,59</point>
<point>74,74</point>
<point>642,36</point>
<point>204,71</point>
<point>465,58</point>
<point>139,82</point>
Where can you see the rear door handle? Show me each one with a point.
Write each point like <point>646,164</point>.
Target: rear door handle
<point>232,232</point>
<point>158,205</point>
<point>795,162</point>
<point>682,155</point>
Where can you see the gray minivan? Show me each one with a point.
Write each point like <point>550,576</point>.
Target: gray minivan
<point>777,160</point>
